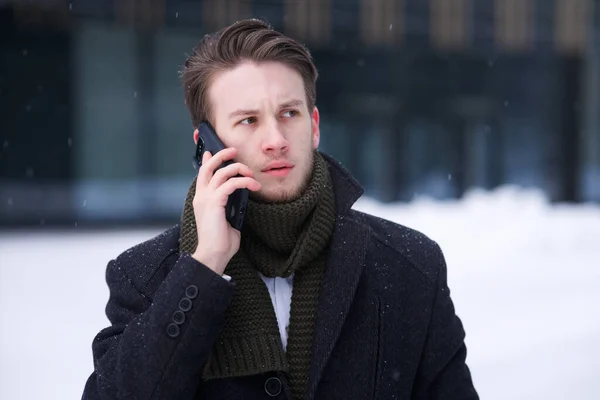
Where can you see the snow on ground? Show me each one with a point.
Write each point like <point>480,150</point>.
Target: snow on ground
<point>524,276</point>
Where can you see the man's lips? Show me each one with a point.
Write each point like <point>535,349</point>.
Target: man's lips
<point>278,171</point>
<point>276,165</point>
<point>278,168</point>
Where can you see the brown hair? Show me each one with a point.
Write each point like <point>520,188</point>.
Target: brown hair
<point>246,40</point>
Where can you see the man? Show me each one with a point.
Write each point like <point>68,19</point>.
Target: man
<point>311,300</point>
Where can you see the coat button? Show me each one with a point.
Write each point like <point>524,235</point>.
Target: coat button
<point>185,304</point>
<point>273,386</point>
<point>191,291</point>
<point>178,317</point>
<point>173,330</point>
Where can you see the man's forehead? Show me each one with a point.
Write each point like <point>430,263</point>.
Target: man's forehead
<point>255,86</point>
<point>267,101</point>
<point>253,100</point>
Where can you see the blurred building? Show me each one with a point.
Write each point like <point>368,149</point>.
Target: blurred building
<point>417,97</point>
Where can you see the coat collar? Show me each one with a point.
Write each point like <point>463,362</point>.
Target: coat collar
<point>344,267</point>
<point>346,188</point>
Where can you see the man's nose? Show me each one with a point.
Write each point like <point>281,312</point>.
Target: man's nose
<point>275,139</point>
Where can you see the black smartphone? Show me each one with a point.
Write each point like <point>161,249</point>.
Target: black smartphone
<point>235,210</point>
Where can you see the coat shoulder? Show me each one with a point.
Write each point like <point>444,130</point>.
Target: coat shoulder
<point>419,250</point>
<point>142,260</point>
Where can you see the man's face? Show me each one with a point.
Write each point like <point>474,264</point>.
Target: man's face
<point>261,110</point>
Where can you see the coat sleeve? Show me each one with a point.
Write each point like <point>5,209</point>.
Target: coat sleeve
<point>443,372</point>
<point>155,349</point>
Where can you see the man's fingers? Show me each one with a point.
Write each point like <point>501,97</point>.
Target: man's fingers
<point>230,171</point>
<point>210,163</point>
<point>201,178</point>
<point>232,184</point>
<point>205,157</point>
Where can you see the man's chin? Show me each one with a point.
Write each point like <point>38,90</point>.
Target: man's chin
<point>281,192</point>
<point>278,196</point>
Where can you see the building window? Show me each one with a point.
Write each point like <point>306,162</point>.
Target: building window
<point>450,23</point>
<point>381,21</point>
<point>217,14</point>
<point>308,20</point>
<point>514,24</point>
<point>572,21</point>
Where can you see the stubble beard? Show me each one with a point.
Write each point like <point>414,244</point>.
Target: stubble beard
<point>288,194</point>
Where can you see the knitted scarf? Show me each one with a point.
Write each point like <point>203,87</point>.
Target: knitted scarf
<point>278,239</point>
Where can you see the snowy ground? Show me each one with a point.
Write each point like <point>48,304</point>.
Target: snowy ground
<point>525,278</point>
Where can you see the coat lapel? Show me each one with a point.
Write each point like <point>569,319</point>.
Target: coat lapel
<point>347,257</point>
<point>342,274</point>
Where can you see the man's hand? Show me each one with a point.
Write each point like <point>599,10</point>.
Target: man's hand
<point>217,240</point>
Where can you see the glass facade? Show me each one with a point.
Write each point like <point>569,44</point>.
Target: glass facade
<point>416,97</point>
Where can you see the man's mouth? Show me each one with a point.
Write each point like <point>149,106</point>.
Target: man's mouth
<point>278,168</point>
<point>282,171</point>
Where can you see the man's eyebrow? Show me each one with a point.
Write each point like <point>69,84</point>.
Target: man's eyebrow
<point>242,112</point>
<point>291,103</point>
<point>239,113</point>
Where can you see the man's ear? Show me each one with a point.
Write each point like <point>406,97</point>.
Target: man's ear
<point>315,131</point>
<point>196,133</point>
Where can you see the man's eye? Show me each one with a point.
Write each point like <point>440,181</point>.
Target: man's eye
<point>248,121</point>
<point>290,113</point>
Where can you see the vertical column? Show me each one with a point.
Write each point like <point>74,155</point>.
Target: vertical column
<point>590,182</point>
<point>106,147</point>
<point>147,134</point>
<point>571,27</point>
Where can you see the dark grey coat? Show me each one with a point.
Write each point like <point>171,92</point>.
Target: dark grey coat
<point>385,329</point>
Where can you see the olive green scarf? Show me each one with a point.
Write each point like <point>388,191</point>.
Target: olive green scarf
<point>277,240</point>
